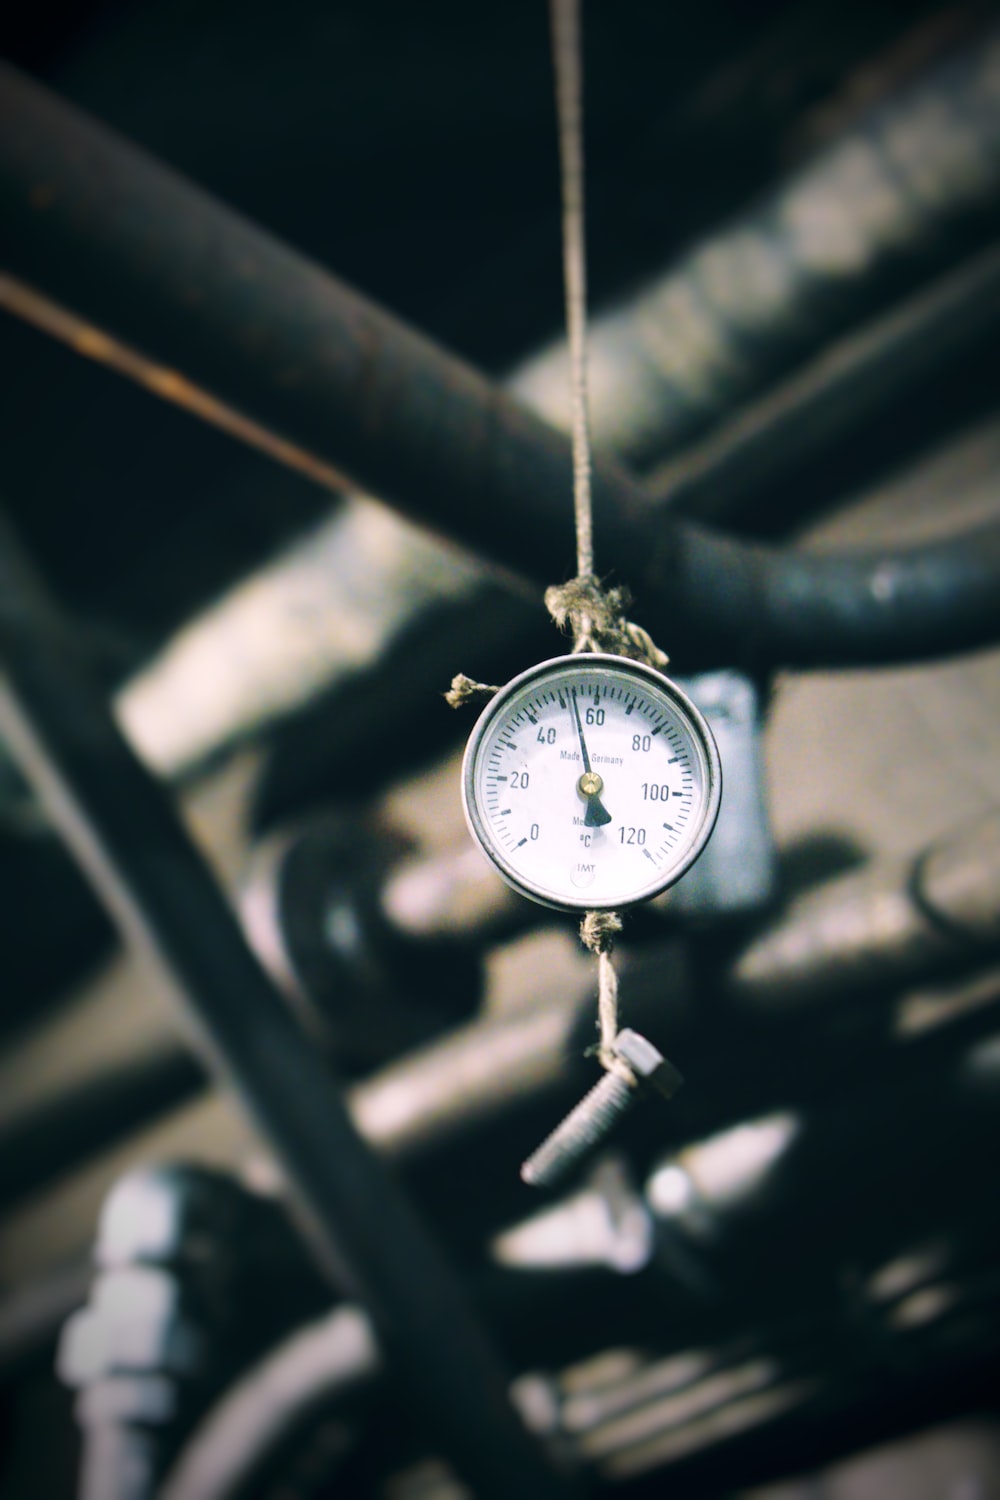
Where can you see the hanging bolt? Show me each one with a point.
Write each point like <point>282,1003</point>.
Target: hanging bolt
<point>597,1112</point>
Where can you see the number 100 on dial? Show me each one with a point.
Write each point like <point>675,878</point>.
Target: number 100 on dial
<point>591,782</point>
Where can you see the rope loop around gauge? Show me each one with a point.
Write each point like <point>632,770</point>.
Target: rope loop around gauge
<point>596,618</point>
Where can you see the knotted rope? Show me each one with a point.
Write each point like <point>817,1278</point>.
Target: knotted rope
<point>594,616</point>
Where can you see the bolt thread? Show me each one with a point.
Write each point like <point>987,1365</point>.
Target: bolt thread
<point>582,1129</point>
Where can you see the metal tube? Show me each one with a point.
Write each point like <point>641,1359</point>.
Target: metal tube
<point>881,927</point>
<point>733,473</point>
<point>123,830</point>
<point>92,1114</point>
<point>865,933</point>
<point>200,306</point>
<point>871,210</point>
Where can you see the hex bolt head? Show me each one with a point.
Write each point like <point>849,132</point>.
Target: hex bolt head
<point>647,1063</point>
<point>593,1119</point>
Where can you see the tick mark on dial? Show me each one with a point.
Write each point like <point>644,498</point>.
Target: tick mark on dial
<point>520,842</point>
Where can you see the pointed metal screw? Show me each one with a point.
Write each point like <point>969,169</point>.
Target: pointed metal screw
<point>593,1119</point>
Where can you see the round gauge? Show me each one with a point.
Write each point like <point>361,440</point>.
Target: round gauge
<point>591,782</point>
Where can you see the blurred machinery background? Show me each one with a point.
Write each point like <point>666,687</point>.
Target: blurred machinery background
<point>261,1228</point>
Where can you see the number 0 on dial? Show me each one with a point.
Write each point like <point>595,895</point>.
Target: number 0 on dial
<point>591,782</point>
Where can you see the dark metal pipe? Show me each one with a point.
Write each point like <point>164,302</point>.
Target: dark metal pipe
<point>93,1115</point>
<point>31,1316</point>
<point>892,922</point>
<point>879,928</point>
<point>850,384</point>
<point>904,186</point>
<point>835,1172</point>
<point>868,933</point>
<point>123,830</point>
<point>197,304</point>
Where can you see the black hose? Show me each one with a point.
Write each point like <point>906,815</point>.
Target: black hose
<point>198,305</point>
<point>807,610</point>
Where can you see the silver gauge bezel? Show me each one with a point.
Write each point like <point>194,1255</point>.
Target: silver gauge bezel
<point>700,733</point>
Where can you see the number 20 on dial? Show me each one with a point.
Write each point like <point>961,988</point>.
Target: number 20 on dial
<point>591,782</point>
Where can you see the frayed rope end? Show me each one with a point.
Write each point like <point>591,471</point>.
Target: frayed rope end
<point>463,689</point>
<point>599,929</point>
<point>596,618</point>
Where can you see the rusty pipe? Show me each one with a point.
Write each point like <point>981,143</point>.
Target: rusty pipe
<point>116,254</point>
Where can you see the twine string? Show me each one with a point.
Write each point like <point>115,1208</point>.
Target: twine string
<point>595,616</point>
<point>567,52</point>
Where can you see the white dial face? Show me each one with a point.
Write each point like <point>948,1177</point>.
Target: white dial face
<point>591,782</point>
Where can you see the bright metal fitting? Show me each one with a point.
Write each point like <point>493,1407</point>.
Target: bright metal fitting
<point>593,1119</point>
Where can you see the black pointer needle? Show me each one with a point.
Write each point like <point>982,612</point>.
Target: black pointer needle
<point>597,814</point>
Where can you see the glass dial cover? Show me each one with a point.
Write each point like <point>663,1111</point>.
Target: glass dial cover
<point>591,782</point>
